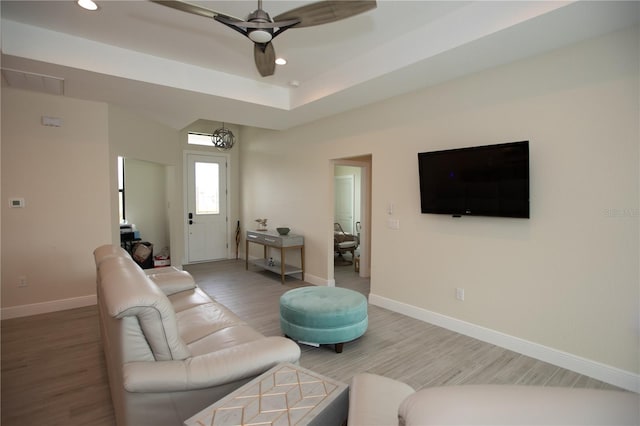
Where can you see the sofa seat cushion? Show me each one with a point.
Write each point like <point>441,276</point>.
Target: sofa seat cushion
<point>225,338</point>
<point>201,321</point>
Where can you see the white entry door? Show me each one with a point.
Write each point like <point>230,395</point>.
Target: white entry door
<point>206,214</point>
<point>344,202</point>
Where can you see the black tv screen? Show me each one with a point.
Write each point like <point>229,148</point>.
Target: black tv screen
<point>490,180</point>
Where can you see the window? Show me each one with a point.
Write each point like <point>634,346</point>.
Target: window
<point>207,188</point>
<point>121,189</point>
<point>199,139</point>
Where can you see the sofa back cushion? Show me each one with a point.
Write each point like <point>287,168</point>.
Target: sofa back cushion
<point>128,292</point>
<point>518,405</point>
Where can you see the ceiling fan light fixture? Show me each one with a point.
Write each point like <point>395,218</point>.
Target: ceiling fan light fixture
<point>87,4</point>
<point>259,35</point>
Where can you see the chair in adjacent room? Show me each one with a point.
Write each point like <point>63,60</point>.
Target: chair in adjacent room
<point>344,242</point>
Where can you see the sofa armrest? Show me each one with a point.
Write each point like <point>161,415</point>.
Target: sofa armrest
<point>374,400</point>
<point>212,369</point>
<point>173,282</point>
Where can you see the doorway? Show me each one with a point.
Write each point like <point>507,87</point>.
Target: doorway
<point>206,207</point>
<point>352,210</point>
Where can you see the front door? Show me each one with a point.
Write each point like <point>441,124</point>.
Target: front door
<point>206,214</point>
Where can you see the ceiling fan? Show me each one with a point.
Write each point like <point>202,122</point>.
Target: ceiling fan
<point>260,28</point>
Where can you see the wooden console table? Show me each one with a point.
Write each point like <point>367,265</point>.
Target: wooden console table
<point>281,242</point>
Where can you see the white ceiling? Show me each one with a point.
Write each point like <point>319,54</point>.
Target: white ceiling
<point>177,68</point>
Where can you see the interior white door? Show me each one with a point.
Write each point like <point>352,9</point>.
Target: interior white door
<point>344,202</point>
<point>206,215</point>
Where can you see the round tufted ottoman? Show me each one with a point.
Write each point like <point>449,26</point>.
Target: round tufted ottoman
<point>323,315</point>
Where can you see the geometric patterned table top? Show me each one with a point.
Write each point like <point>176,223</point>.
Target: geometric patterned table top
<point>286,395</point>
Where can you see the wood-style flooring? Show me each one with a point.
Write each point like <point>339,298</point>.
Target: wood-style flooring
<point>53,370</point>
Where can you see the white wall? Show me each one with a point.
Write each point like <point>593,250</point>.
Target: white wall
<point>68,178</point>
<point>566,279</point>
<point>62,174</point>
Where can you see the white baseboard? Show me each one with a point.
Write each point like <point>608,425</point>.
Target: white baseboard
<point>312,279</point>
<point>45,307</point>
<point>605,373</point>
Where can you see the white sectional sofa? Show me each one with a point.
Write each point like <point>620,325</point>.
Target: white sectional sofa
<point>379,401</point>
<point>171,350</point>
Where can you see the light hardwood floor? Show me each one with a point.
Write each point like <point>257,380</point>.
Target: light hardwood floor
<point>53,369</point>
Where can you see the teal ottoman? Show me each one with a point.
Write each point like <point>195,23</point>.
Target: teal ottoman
<point>323,315</point>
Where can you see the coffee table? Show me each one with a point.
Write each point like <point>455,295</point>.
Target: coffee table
<point>286,395</point>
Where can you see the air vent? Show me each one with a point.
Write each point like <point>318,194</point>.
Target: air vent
<point>32,81</point>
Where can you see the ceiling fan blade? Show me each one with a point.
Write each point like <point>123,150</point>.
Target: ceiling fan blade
<point>324,12</point>
<point>265,57</point>
<point>193,9</point>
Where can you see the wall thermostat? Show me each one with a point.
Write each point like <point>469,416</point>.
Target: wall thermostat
<point>16,203</point>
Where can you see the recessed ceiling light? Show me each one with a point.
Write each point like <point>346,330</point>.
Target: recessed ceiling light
<point>281,61</point>
<point>87,4</point>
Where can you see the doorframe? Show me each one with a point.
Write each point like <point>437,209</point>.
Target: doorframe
<point>365,214</point>
<point>185,200</point>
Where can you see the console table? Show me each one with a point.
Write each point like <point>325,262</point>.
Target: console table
<point>282,242</point>
<point>286,395</point>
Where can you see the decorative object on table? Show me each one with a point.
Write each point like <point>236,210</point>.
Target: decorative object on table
<point>262,224</point>
<point>237,238</point>
<point>283,230</point>
<point>223,138</point>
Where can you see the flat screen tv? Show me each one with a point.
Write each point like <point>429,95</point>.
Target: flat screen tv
<point>490,180</point>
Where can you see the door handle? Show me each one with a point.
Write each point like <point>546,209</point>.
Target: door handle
<point>190,222</point>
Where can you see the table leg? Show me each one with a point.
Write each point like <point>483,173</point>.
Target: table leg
<point>302,261</point>
<point>282,264</point>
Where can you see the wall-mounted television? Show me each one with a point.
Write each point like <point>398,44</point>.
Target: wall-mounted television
<point>490,180</point>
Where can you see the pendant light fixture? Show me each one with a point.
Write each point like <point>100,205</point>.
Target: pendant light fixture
<point>223,138</point>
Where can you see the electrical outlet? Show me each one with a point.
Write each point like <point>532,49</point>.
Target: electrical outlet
<point>22,281</point>
<point>460,294</point>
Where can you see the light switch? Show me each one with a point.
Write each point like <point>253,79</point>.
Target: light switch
<point>51,121</point>
<point>393,223</point>
<point>16,203</point>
